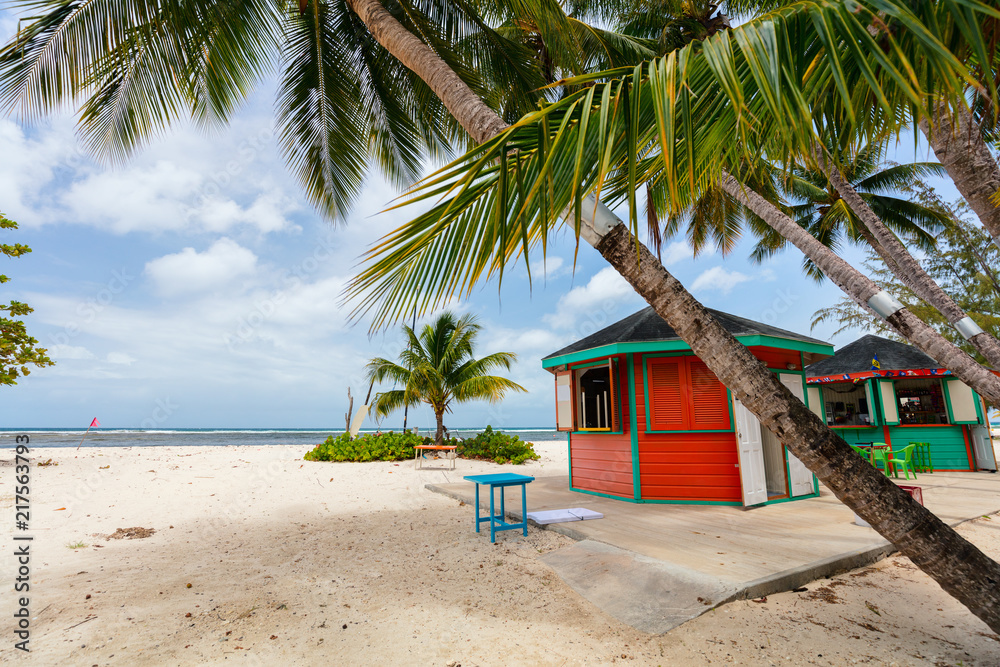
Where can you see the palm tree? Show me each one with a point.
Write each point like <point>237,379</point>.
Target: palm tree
<point>905,266</point>
<point>819,208</point>
<point>148,63</point>
<point>507,194</point>
<point>438,368</point>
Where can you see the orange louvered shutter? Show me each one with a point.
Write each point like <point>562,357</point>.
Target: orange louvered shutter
<point>666,396</point>
<point>709,403</point>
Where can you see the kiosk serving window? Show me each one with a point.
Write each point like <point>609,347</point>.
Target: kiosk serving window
<point>921,401</point>
<point>847,404</point>
<point>597,402</point>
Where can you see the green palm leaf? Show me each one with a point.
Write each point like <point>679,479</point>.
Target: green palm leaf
<point>712,106</point>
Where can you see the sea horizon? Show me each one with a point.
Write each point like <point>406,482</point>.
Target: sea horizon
<point>219,436</point>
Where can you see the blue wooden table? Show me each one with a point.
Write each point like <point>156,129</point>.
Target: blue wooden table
<point>497,522</point>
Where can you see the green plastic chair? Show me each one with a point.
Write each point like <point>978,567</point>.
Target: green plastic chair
<point>906,463</point>
<point>882,456</point>
<point>862,452</point>
<point>922,457</point>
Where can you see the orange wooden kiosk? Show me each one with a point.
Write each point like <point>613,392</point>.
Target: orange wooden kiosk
<point>648,422</point>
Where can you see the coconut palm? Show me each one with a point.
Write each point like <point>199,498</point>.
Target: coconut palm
<point>504,197</point>
<point>151,63</point>
<point>820,209</point>
<point>438,368</point>
<point>829,118</point>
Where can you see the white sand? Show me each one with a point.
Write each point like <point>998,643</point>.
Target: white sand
<point>282,554</point>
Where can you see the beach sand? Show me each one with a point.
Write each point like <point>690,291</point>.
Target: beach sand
<point>261,558</point>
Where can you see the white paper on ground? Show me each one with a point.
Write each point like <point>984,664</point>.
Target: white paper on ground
<point>552,516</point>
<point>561,516</point>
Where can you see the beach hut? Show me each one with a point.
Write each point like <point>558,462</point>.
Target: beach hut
<point>648,422</point>
<point>880,390</point>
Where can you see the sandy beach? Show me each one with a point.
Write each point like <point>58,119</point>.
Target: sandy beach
<point>259,557</point>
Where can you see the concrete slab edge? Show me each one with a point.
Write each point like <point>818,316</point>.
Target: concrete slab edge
<point>827,567</point>
<point>778,582</point>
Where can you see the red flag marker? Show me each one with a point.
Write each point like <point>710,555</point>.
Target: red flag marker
<point>93,424</point>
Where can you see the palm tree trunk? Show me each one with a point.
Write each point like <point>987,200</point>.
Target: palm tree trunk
<point>958,566</point>
<point>860,288</point>
<point>439,434</point>
<point>906,267</point>
<point>478,119</point>
<point>958,145</point>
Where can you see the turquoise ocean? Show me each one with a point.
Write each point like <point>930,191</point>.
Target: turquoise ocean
<point>195,437</point>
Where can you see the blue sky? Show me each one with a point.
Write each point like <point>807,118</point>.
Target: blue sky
<point>195,287</point>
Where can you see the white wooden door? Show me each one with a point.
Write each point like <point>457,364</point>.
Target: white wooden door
<point>751,453</point>
<point>800,479</point>
<point>982,445</point>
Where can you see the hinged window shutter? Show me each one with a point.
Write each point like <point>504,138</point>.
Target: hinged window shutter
<point>615,416</point>
<point>889,402</point>
<point>870,398</point>
<point>709,403</point>
<point>666,399</point>
<point>815,397</point>
<point>564,401</point>
<point>961,402</point>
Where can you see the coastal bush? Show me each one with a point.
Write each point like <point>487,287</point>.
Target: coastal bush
<point>489,445</point>
<point>388,446</point>
<point>498,447</point>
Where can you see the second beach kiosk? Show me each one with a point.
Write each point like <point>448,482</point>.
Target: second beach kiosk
<point>880,390</point>
<point>648,422</point>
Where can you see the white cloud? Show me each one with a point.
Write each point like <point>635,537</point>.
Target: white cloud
<point>549,268</point>
<point>599,298</point>
<point>719,279</point>
<point>120,358</point>
<point>266,214</point>
<point>28,168</point>
<point>70,352</point>
<point>191,271</point>
<point>136,199</point>
<point>676,252</point>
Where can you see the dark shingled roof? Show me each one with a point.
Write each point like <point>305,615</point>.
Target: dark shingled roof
<point>857,358</point>
<point>647,326</point>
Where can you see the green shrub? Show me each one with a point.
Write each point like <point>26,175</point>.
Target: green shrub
<point>489,445</point>
<point>389,446</point>
<point>498,447</point>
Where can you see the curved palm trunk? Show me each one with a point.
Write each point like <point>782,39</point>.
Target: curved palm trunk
<point>478,119</point>
<point>860,288</point>
<point>958,566</point>
<point>958,145</point>
<point>907,268</point>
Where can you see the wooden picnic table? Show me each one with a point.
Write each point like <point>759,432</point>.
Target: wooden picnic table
<point>419,450</point>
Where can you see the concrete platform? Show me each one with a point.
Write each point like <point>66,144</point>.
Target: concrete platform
<point>657,566</point>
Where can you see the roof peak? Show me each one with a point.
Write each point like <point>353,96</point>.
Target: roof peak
<point>647,326</point>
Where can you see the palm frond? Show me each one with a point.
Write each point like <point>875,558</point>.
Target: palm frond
<point>764,88</point>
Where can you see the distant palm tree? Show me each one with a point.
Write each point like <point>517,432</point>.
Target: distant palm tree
<point>821,210</point>
<point>438,368</point>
